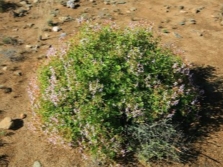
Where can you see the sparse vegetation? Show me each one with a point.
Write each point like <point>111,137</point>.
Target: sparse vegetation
<point>2,6</point>
<point>115,91</point>
<point>10,40</point>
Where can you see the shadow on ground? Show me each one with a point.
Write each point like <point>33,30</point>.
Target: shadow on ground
<point>17,124</point>
<point>3,161</point>
<point>210,120</point>
<point>211,113</point>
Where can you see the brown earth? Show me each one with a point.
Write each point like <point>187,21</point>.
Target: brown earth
<point>192,28</point>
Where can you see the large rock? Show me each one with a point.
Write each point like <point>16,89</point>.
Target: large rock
<point>6,123</point>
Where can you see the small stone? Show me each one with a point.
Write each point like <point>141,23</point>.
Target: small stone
<point>174,27</point>
<point>5,68</point>
<point>37,164</point>
<point>165,31</point>
<point>121,2</point>
<point>65,18</point>
<point>221,23</point>
<point>2,86</point>
<point>181,7</point>
<point>192,21</point>
<point>56,29</point>
<point>6,123</point>
<point>135,19</point>
<point>36,1</point>
<point>41,57</point>
<point>183,11</point>
<point>195,11</point>
<point>106,3</point>
<point>182,23</point>
<point>28,46</point>
<point>23,116</point>
<point>133,9</point>
<point>7,90</point>
<point>18,73</point>
<point>29,25</point>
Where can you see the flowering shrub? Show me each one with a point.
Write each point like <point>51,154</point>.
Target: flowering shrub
<point>107,84</point>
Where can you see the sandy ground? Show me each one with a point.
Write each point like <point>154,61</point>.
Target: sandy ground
<point>193,28</point>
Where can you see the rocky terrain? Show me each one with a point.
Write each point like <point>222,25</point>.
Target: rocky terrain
<point>29,28</point>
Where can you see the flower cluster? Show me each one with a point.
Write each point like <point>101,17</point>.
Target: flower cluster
<point>107,79</point>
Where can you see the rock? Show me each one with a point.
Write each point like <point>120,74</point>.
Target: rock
<point>133,9</point>
<point>37,164</point>
<point>56,28</point>
<point>6,123</point>
<point>181,7</point>
<point>71,4</point>
<point>23,3</point>
<point>135,19</point>
<point>183,11</point>
<point>41,57</point>
<point>28,46</point>
<point>2,86</point>
<point>23,116</point>
<point>221,23</point>
<point>174,27</point>
<point>54,12</point>
<point>28,25</point>
<point>195,11</point>
<point>106,2</point>
<point>36,1</point>
<point>7,90</point>
<point>65,18</point>
<point>120,1</point>
<point>192,21</point>
<point>4,68</point>
<point>182,23</point>
<point>18,73</point>
<point>165,31</point>
<point>20,12</point>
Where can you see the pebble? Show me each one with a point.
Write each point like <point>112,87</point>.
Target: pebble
<point>135,19</point>
<point>37,164</point>
<point>221,23</point>
<point>195,11</point>
<point>133,9</point>
<point>18,73</point>
<point>182,23</point>
<point>56,28</point>
<point>6,123</point>
<point>121,2</point>
<point>23,116</point>
<point>36,1</point>
<point>7,90</point>
<point>181,7</point>
<point>64,18</point>
<point>4,68</point>
<point>2,86</point>
<point>41,57</point>
<point>165,31</point>
<point>192,21</point>
<point>28,46</point>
